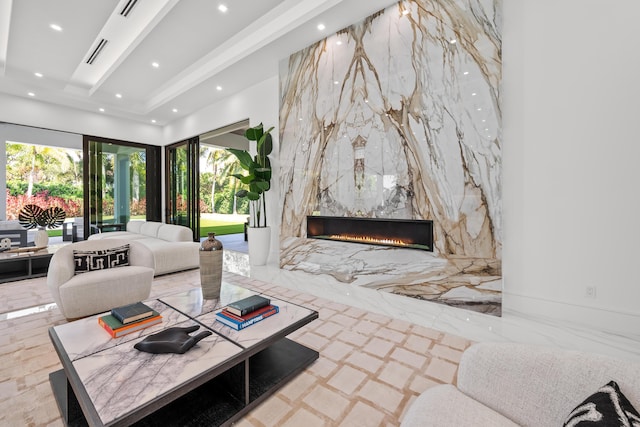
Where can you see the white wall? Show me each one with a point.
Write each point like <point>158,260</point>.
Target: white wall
<point>571,110</point>
<point>30,112</point>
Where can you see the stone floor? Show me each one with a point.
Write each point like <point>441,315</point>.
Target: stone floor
<point>371,366</point>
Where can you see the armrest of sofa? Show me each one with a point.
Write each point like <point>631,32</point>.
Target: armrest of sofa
<point>535,385</point>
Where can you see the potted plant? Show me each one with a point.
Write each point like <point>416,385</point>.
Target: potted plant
<point>258,180</point>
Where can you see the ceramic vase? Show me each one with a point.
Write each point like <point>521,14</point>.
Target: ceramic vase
<point>259,244</point>
<point>211,267</point>
<point>41,238</point>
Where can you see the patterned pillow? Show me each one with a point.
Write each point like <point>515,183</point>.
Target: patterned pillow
<point>99,260</point>
<point>606,407</point>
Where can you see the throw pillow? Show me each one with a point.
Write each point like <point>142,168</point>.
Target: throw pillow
<point>86,261</point>
<point>606,407</point>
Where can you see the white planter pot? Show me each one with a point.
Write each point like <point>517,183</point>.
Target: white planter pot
<point>41,238</point>
<point>259,244</point>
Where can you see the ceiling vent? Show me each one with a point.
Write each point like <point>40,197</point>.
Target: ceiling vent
<point>126,10</point>
<point>101,44</point>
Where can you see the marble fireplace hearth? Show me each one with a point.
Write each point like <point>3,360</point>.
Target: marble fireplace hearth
<point>457,281</point>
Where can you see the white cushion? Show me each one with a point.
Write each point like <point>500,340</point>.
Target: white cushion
<point>535,385</point>
<point>134,225</point>
<point>444,406</point>
<point>97,291</point>
<point>175,233</point>
<point>150,228</point>
<point>173,256</point>
<point>171,245</point>
<point>115,235</point>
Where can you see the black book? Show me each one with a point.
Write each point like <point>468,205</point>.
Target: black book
<point>247,305</point>
<point>131,312</point>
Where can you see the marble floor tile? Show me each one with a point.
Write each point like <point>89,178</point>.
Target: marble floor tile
<point>511,327</point>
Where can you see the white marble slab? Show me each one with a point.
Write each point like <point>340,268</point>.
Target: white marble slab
<point>120,379</point>
<point>399,116</point>
<point>471,283</point>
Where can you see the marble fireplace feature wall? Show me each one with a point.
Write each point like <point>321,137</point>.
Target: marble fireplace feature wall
<point>398,116</point>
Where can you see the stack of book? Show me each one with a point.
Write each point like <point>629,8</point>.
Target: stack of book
<point>129,318</point>
<point>246,312</point>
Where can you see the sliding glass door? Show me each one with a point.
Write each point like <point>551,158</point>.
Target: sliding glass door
<point>121,182</point>
<point>182,184</point>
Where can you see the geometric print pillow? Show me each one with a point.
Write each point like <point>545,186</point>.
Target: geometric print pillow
<point>99,260</point>
<point>606,407</point>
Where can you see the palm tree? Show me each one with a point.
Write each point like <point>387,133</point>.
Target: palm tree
<point>42,163</point>
<point>222,163</point>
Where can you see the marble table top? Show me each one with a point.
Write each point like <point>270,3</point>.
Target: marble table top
<point>119,380</point>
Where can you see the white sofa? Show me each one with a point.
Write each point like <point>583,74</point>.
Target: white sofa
<point>172,245</point>
<point>503,384</point>
<point>84,294</point>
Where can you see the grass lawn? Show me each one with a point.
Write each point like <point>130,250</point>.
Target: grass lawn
<point>219,227</point>
<point>222,229</point>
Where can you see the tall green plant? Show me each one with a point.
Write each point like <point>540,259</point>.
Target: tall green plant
<point>258,176</point>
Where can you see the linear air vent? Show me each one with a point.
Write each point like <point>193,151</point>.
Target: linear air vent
<point>126,10</point>
<point>101,44</point>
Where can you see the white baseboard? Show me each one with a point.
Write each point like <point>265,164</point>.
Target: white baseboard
<point>599,319</point>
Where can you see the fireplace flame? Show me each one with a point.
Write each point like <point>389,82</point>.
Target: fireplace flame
<point>367,239</point>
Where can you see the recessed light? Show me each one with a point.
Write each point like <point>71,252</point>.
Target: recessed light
<point>37,74</point>
<point>153,120</point>
<point>118,95</point>
<point>223,8</point>
<point>175,110</point>
<point>336,82</point>
<point>31,94</point>
<point>339,42</point>
<point>405,12</point>
<point>101,110</point>
<point>55,27</point>
<point>452,41</point>
<point>473,94</point>
<point>465,73</point>
<point>218,87</point>
<point>321,27</point>
<point>155,64</point>
<point>479,109</point>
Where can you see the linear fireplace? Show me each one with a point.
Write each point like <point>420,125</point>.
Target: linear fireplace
<point>402,233</point>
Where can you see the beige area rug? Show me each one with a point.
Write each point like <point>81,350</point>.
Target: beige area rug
<point>371,367</point>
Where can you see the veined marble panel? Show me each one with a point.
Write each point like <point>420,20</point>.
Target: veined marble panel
<point>118,379</point>
<point>399,117</point>
<point>457,281</point>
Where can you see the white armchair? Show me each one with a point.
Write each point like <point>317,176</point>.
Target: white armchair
<point>87,293</point>
<point>503,384</point>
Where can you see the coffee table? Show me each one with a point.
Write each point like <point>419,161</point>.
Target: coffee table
<point>106,382</point>
<point>27,264</point>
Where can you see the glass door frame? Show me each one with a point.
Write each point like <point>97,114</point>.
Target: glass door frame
<point>192,146</point>
<point>153,178</point>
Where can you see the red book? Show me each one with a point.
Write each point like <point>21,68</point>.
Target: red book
<point>238,322</point>
<point>247,316</point>
<point>108,324</point>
